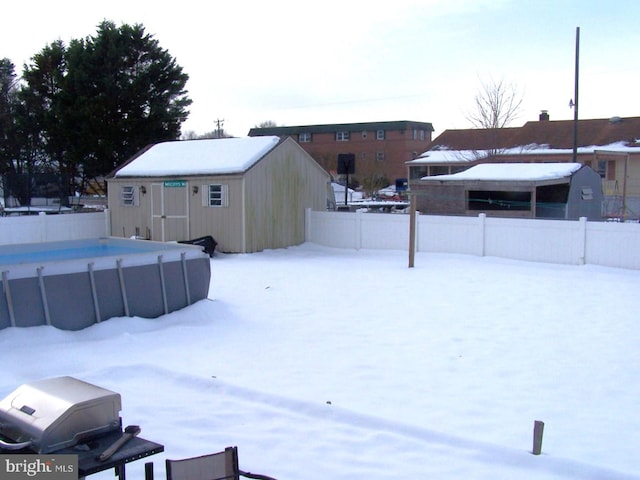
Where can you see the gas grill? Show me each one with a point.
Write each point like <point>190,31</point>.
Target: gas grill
<point>64,415</point>
<point>52,414</point>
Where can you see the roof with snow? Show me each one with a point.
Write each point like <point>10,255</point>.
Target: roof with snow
<point>444,155</point>
<point>555,134</point>
<point>534,138</point>
<point>511,172</point>
<point>199,157</point>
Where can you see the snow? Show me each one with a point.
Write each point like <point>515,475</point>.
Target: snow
<point>199,157</point>
<point>323,363</point>
<point>512,172</point>
<point>446,155</point>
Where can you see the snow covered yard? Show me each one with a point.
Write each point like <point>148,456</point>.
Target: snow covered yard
<point>324,363</point>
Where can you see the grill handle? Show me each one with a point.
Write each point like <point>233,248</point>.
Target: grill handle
<point>15,446</point>
<point>129,432</point>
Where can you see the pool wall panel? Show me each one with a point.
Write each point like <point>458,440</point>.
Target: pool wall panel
<point>174,284</point>
<point>154,277</point>
<point>27,305</point>
<point>110,303</point>
<point>199,275</point>
<point>144,291</point>
<point>70,301</point>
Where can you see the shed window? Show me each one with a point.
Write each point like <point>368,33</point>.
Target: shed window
<point>216,195</point>
<point>128,195</point>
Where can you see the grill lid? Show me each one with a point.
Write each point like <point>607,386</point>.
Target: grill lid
<point>59,412</point>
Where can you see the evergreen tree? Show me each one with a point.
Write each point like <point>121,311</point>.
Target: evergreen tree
<point>91,106</point>
<point>9,146</point>
<point>41,116</point>
<point>123,93</point>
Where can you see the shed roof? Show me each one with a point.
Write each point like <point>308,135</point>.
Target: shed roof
<point>198,157</point>
<point>511,172</point>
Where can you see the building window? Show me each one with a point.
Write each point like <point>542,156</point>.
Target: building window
<point>342,136</point>
<point>422,136</point>
<point>379,156</point>
<point>498,200</point>
<point>364,134</point>
<point>438,170</point>
<point>304,137</point>
<point>128,196</point>
<point>379,134</point>
<point>418,172</point>
<point>216,196</point>
<point>607,169</point>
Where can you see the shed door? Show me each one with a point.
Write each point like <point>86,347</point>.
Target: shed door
<point>170,211</point>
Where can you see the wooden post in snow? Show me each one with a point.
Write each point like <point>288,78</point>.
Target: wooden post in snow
<point>538,430</point>
<point>412,229</point>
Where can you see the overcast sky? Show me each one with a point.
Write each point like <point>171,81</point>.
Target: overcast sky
<point>301,63</point>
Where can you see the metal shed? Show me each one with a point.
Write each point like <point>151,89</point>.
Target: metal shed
<point>520,190</point>
<point>249,194</point>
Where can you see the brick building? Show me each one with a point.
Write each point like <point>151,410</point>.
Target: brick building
<point>380,148</point>
<point>610,146</point>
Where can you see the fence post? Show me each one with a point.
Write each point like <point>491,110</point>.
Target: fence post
<point>358,239</point>
<point>107,222</point>
<point>483,225</point>
<point>307,224</point>
<point>582,256</point>
<point>412,231</point>
<point>42,225</point>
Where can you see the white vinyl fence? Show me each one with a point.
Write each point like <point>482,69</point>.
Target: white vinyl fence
<point>554,241</point>
<point>52,228</point>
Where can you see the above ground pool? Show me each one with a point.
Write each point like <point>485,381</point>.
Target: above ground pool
<point>74,284</point>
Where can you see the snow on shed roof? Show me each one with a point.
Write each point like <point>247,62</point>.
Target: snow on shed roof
<point>199,157</point>
<point>512,172</point>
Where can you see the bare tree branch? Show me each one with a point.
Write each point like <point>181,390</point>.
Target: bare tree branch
<point>497,105</point>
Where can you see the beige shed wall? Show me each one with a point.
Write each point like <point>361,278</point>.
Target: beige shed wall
<point>278,190</point>
<point>127,221</point>
<point>224,224</point>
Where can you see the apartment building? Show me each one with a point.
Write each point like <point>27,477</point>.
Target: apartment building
<point>380,148</point>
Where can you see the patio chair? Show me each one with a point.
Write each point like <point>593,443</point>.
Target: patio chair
<point>214,466</point>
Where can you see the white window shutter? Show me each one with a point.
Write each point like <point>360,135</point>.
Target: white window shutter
<point>205,195</point>
<point>225,195</point>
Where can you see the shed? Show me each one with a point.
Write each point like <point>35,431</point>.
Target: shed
<point>521,190</point>
<point>249,194</point>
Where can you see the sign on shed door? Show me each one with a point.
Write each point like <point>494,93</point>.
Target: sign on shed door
<point>170,210</point>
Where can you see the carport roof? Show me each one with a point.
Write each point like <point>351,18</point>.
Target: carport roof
<point>511,172</point>
<point>198,157</point>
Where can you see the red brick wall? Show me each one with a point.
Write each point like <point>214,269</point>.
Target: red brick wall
<point>396,148</point>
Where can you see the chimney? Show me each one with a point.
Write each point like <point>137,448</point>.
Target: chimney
<point>544,115</point>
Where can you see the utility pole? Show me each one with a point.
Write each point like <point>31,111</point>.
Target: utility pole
<point>575,99</point>
<point>219,129</point>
